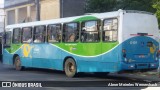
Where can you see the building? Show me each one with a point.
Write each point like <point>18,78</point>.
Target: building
<point>20,11</point>
<point>1,20</point>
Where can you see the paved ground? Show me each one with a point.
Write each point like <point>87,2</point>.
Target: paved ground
<point>8,73</point>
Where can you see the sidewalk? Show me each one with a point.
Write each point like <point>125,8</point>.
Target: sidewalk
<point>141,76</point>
<point>150,75</point>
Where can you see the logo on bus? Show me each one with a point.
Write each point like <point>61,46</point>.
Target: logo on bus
<point>26,50</point>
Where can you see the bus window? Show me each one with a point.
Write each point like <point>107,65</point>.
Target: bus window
<point>54,33</point>
<point>149,44</point>
<point>71,32</point>
<point>17,35</point>
<point>110,30</point>
<point>90,31</point>
<point>27,35</point>
<point>7,37</point>
<point>39,34</point>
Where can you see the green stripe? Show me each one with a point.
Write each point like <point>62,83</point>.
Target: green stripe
<point>13,48</point>
<point>83,49</point>
<point>85,18</point>
<point>87,49</point>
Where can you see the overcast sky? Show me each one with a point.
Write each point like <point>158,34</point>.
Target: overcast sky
<point>1,3</point>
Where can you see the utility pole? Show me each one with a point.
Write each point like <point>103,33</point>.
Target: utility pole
<point>62,3</point>
<point>37,10</point>
<point>2,39</point>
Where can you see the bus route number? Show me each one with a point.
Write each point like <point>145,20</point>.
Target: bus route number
<point>133,42</point>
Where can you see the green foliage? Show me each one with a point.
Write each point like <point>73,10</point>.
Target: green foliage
<point>142,5</point>
<point>94,6</point>
<point>156,5</point>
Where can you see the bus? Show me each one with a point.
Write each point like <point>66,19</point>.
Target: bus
<point>110,42</point>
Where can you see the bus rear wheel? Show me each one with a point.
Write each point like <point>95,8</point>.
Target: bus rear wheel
<point>70,67</point>
<point>17,64</point>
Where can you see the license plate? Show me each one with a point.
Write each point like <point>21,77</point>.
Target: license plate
<point>140,56</point>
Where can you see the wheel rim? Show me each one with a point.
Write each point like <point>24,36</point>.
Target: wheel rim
<point>71,67</point>
<point>18,63</point>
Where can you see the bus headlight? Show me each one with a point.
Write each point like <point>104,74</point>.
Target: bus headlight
<point>124,53</point>
<point>157,55</point>
<point>125,59</point>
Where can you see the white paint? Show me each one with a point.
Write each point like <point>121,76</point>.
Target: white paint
<point>134,23</point>
<point>1,3</point>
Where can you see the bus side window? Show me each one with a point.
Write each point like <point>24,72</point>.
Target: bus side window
<point>27,35</point>
<point>17,35</point>
<point>71,32</point>
<point>39,34</point>
<point>90,31</point>
<point>7,38</point>
<point>110,30</point>
<point>54,33</point>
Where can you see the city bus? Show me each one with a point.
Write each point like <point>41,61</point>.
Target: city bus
<point>110,42</point>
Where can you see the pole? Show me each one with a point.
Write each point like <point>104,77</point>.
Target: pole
<point>37,10</point>
<point>2,39</point>
<point>62,11</point>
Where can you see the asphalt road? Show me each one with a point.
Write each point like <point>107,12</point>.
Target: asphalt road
<point>8,73</point>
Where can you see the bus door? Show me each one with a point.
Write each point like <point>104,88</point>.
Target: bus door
<point>7,48</point>
<point>110,40</point>
<point>90,44</point>
<point>1,49</point>
<point>27,46</point>
<point>39,48</point>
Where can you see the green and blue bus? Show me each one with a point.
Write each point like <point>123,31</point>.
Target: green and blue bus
<point>123,40</point>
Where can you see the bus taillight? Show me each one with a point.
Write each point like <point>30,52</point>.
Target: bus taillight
<point>158,55</point>
<point>124,53</point>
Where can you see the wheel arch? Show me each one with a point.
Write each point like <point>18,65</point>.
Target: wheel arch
<point>14,56</point>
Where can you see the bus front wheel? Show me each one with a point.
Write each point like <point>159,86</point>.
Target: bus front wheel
<point>17,64</point>
<point>70,67</point>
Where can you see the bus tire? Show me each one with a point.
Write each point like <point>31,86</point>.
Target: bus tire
<point>70,67</point>
<point>17,64</point>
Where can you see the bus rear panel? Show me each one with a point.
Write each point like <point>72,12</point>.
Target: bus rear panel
<point>140,42</point>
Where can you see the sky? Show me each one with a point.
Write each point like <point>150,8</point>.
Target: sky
<point>1,3</point>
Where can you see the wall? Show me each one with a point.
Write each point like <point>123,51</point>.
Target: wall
<point>1,20</point>
<point>50,9</point>
<point>72,8</point>
<point>14,3</point>
<point>20,11</point>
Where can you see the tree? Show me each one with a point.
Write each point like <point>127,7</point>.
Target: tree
<point>156,5</point>
<point>112,5</point>
<point>96,6</point>
<point>142,5</point>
